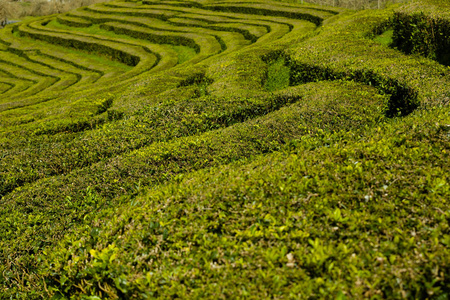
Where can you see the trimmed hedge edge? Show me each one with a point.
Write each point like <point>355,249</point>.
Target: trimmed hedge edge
<point>421,34</point>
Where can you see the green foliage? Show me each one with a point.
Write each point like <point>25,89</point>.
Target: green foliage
<point>222,150</point>
<point>73,21</point>
<point>288,223</point>
<point>423,35</point>
<point>184,53</point>
<point>423,28</point>
<point>277,75</point>
<point>385,38</point>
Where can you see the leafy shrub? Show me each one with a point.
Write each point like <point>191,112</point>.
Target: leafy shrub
<point>283,160</point>
<point>422,34</point>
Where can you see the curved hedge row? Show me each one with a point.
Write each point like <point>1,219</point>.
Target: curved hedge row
<point>280,156</point>
<point>410,81</point>
<point>115,51</point>
<point>73,21</point>
<point>57,57</point>
<point>224,27</point>
<point>422,34</point>
<point>62,79</point>
<point>264,10</point>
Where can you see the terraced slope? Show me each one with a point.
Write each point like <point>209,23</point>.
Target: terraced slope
<point>116,42</point>
<point>214,149</point>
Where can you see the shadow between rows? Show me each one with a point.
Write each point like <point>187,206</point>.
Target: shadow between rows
<point>403,99</point>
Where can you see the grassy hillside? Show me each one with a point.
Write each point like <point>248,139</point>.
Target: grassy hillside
<point>222,149</point>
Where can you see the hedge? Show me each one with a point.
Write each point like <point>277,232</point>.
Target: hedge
<point>424,35</point>
<point>308,162</point>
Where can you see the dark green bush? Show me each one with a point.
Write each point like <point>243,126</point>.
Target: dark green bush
<point>422,34</point>
<point>115,53</point>
<point>285,159</point>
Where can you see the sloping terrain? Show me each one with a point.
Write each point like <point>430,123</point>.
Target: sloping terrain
<point>223,149</point>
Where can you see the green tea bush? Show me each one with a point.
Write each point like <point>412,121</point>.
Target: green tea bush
<point>290,223</point>
<point>162,161</point>
<point>97,46</point>
<point>325,57</point>
<point>253,150</point>
<point>421,34</point>
<point>73,21</point>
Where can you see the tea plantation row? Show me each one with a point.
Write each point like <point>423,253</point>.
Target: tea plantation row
<point>222,149</point>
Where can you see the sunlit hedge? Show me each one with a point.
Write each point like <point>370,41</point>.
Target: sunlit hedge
<point>222,150</point>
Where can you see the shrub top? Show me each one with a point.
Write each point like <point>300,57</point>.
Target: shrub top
<point>433,8</point>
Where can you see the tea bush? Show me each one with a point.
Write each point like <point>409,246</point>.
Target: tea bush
<point>222,150</point>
